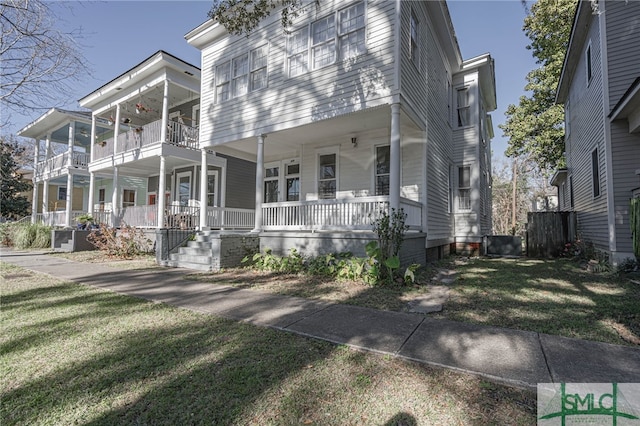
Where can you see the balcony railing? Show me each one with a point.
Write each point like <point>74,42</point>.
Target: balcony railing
<point>61,161</point>
<point>58,217</point>
<point>150,134</point>
<point>230,218</point>
<point>335,215</point>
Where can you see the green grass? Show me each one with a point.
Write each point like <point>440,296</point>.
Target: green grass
<point>547,296</point>
<point>72,354</point>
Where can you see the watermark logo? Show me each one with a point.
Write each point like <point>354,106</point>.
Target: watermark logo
<point>616,404</point>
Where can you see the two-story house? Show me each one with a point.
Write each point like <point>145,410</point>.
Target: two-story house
<point>600,90</point>
<point>360,105</point>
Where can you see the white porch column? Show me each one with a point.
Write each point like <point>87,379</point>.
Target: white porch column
<point>165,113</point>
<point>162,183</point>
<point>47,147</point>
<point>72,129</point>
<point>116,130</point>
<point>69,200</point>
<point>114,198</point>
<point>394,169</point>
<point>259,183</point>
<point>45,196</point>
<point>204,205</point>
<point>34,198</point>
<point>92,176</point>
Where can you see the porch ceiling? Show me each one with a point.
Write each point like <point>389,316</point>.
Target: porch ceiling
<point>282,142</point>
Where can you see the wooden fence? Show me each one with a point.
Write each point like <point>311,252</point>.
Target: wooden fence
<point>548,232</point>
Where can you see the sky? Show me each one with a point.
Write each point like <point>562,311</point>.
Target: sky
<point>120,34</point>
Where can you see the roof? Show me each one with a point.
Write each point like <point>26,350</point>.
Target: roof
<point>579,31</point>
<point>52,119</point>
<point>487,76</point>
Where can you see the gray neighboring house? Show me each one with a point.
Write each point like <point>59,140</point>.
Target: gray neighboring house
<point>600,89</point>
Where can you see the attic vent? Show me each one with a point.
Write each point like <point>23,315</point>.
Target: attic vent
<point>188,73</point>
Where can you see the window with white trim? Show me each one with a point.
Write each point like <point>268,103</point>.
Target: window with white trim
<point>62,193</point>
<point>212,185</point>
<point>464,188</point>
<point>242,74</point>
<point>292,176</point>
<point>338,36</point>
<point>128,197</point>
<point>463,111</point>
<point>383,166</point>
<point>327,175</point>
<point>271,178</point>
<point>414,45</point>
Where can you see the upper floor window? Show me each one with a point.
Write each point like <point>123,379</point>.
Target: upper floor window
<point>414,45</point>
<point>462,107</point>
<point>595,172</point>
<point>337,36</point>
<point>242,74</point>
<point>464,188</point>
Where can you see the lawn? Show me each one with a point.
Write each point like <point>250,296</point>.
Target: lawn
<point>548,296</point>
<point>73,354</point>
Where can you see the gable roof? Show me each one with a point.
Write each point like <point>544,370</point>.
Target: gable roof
<point>579,30</point>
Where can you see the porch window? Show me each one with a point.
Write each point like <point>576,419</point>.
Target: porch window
<point>414,46</point>
<point>462,106</point>
<point>102,192</point>
<point>298,56</point>
<point>184,188</point>
<point>271,176</point>
<point>595,172</point>
<point>211,188</point>
<point>223,78</point>
<point>128,198</point>
<point>259,68</point>
<point>62,193</point>
<point>464,188</point>
<point>383,165</point>
<point>327,178</point>
<point>293,182</point>
<point>240,82</point>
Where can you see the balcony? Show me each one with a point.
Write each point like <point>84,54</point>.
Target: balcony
<point>62,162</point>
<point>148,135</point>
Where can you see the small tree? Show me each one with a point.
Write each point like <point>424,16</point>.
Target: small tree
<point>390,229</point>
<point>12,203</point>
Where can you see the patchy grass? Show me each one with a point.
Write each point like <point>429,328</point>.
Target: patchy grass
<point>72,354</point>
<point>547,296</point>
<point>141,261</point>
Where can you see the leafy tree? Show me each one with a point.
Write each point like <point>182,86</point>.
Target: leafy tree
<point>12,203</point>
<point>535,126</point>
<point>40,63</point>
<point>243,16</point>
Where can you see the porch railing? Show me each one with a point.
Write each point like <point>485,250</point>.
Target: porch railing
<point>230,218</point>
<point>58,217</point>
<point>140,216</point>
<point>335,215</point>
<point>150,134</point>
<point>60,161</point>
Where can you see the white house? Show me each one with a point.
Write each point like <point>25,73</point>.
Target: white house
<point>600,90</point>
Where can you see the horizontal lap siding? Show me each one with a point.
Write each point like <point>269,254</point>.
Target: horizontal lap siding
<point>587,133</point>
<point>346,86</point>
<point>413,84</point>
<point>240,182</point>
<point>439,144</point>
<point>623,50</point>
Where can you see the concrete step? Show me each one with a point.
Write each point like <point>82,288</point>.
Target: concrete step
<point>189,265</point>
<point>199,244</point>
<point>192,258</point>
<point>198,251</point>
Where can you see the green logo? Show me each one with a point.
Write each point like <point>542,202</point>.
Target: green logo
<point>587,403</point>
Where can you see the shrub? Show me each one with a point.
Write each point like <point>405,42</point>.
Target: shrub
<point>123,243</point>
<point>26,235</point>
<point>291,264</point>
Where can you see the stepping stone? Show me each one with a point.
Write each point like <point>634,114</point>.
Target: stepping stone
<point>446,276</point>
<point>431,301</point>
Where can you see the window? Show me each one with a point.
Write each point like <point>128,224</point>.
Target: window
<point>242,74</point>
<point>223,78</point>
<point>414,46</point>
<point>571,192</point>
<point>259,68</point>
<point>184,188</point>
<point>318,41</point>
<point>463,110</point>
<point>212,178</point>
<point>588,63</point>
<point>595,172</point>
<point>383,165</point>
<point>128,198</point>
<point>450,189</point>
<point>240,84</point>
<point>101,198</point>
<point>62,193</point>
<point>327,176</point>
<point>464,188</point>
<point>293,182</point>
<point>271,175</point>
<point>449,95</point>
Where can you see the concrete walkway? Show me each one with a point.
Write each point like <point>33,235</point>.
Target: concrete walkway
<point>509,356</point>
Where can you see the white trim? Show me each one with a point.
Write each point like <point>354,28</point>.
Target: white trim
<point>329,150</point>
<point>216,194</point>
<point>135,196</point>
<point>176,193</point>
<point>194,113</point>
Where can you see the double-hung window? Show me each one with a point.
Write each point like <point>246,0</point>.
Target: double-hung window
<point>335,37</point>
<point>464,188</point>
<point>293,181</point>
<point>223,81</point>
<point>414,46</point>
<point>462,107</point>
<point>323,49</point>
<point>240,67</point>
<point>258,68</point>
<point>271,178</point>
<point>327,176</point>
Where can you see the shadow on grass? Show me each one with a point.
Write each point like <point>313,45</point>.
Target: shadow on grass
<point>78,355</point>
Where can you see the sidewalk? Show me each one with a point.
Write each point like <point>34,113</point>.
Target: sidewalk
<point>509,356</point>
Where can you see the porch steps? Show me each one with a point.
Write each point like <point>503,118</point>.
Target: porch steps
<point>198,254</point>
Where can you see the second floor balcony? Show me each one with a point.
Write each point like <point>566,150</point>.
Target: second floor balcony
<point>59,164</point>
<point>150,134</point>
